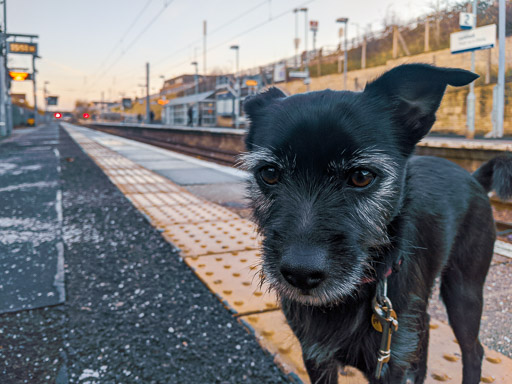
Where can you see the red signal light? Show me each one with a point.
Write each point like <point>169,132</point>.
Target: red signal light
<point>86,115</point>
<point>57,115</point>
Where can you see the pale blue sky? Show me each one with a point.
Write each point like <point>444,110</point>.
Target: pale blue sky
<point>83,52</point>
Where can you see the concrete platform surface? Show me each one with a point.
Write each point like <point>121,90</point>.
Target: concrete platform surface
<point>31,246</point>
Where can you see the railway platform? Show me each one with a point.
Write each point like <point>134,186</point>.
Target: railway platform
<point>161,271</point>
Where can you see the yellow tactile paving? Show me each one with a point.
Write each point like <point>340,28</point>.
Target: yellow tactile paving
<point>444,363</point>
<point>193,213</point>
<point>444,360</point>
<point>208,238</point>
<point>222,249</point>
<point>274,335</point>
<point>234,276</point>
<point>160,199</point>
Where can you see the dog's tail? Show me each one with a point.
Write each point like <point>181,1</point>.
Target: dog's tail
<point>496,174</point>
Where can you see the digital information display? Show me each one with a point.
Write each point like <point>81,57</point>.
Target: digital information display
<point>24,48</point>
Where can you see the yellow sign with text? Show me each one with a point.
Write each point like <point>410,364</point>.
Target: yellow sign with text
<point>24,48</point>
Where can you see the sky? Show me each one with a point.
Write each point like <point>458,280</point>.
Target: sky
<point>100,47</point>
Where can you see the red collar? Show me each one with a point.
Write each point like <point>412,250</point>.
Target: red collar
<point>366,280</point>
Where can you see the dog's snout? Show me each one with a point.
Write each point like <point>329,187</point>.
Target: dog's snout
<point>304,267</point>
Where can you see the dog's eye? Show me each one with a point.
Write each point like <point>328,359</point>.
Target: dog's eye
<point>361,178</point>
<point>269,175</point>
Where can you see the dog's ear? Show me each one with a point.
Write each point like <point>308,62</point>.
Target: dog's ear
<point>255,108</point>
<point>413,92</point>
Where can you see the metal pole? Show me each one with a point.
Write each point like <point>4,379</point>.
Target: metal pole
<point>148,113</point>
<point>427,35</point>
<point>237,107</point>
<point>36,113</point>
<point>500,111</point>
<point>296,36</point>
<point>45,92</point>
<point>204,47</point>
<point>3,126</point>
<point>363,54</point>
<point>3,77</point>
<point>314,43</point>
<point>345,57</point>
<point>197,92</point>
<point>471,96</point>
<point>307,80</point>
<point>7,96</point>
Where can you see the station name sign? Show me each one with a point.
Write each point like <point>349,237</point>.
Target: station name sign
<point>23,48</point>
<point>473,39</point>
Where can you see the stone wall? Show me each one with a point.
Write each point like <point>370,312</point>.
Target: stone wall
<point>451,117</point>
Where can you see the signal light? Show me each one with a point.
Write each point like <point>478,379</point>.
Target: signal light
<point>86,115</point>
<point>57,115</point>
<point>19,76</point>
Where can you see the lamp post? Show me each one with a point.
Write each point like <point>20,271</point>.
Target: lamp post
<point>344,20</point>
<point>236,48</point>
<point>148,111</point>
<point>307,80</point>
<point>196,80</point>
<point>296,41</point>
<point>470,134</point>
<point>45,91</point>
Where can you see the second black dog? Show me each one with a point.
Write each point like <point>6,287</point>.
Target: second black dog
<point>343,206</point>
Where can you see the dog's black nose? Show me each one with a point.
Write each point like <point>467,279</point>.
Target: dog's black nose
<point>302,279</point>
<point>304,267</point>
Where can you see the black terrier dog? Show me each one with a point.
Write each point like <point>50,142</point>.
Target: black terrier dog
<point>353,225</point>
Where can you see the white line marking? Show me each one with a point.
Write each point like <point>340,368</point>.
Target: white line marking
<point>58,280</point>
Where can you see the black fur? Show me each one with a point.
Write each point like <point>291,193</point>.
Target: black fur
<point>326,240</point>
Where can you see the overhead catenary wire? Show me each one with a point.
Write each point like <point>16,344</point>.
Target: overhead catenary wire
<point>132,42</point>
<point>259,25</point>
<point>251,29</point>
<point>254,27</point>
<point>123,36</point>
<point>212,32</point>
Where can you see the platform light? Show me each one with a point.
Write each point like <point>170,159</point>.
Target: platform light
<point>86,115</point>
<point>19,76</point>
<point>57,115</point>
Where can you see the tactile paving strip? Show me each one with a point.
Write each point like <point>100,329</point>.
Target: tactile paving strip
<point>162,199</point>
<point>215,250</point>
<point>445,365</point>
<point>208,238</point>
<point>235,276</point>
<point>444,362</point>
<point>187,214</point>
<point>274,335</point>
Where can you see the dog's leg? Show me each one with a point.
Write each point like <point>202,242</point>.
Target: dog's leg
<point>420,368</point>
<point>462,292</point>
<point>421,371</point>
<point>464,306</point>
<point>322,374</point>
